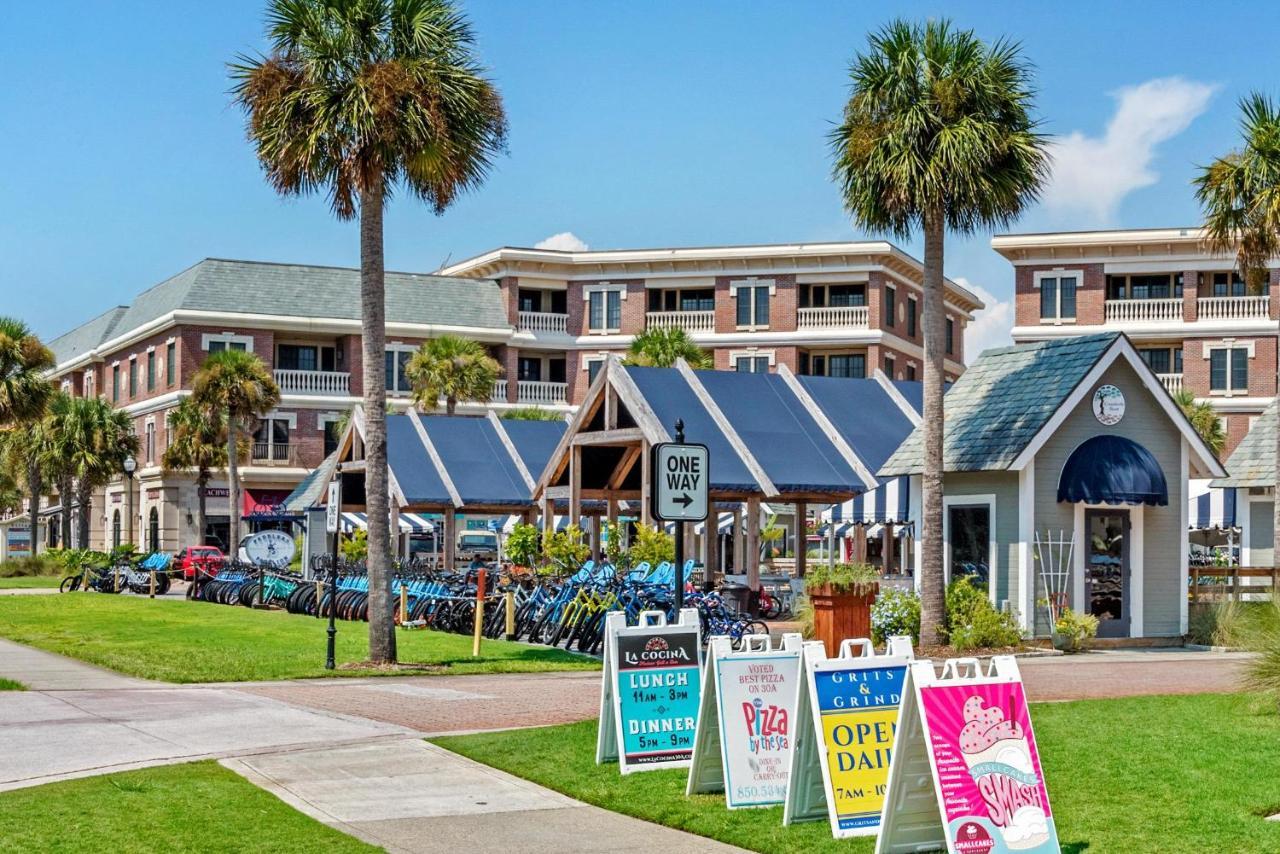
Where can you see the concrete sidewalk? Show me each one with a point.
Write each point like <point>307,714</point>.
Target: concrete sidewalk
<point>409,796</point>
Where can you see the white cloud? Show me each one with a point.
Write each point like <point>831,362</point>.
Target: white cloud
<point>1092,175</point>
<point>991,327</point>
<point>565,241</point>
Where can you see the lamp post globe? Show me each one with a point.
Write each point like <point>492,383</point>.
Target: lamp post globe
<point>130,466</point>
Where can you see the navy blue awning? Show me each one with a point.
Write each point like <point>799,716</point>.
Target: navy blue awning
<point>1112,470</point>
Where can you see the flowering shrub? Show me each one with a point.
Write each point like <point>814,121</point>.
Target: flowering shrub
<point>895,612</point>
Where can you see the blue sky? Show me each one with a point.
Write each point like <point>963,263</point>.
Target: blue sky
<point>632,124</point>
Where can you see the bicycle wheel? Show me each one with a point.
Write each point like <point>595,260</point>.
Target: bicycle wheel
<point>70,583</point>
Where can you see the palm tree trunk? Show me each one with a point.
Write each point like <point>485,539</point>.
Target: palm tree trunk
<point>233,485</point>
<point>84,495</point>
<point>202,483</point>
<point>1275,496</point>
<point>36,484</point>
<point>450,405</point>
<point>932,584</point>
<point>373,330</point>
<point>64,518</point>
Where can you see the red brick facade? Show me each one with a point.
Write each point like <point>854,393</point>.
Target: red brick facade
<point>1091,293</point>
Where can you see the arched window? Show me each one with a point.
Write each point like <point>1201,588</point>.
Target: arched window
<point>154,530</point>
<point>115,529</point>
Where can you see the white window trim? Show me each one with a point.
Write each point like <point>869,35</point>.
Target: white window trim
<point>291,417</point>
<point>399,347</point>
<point>1055,274</point>
<point>1137,527</point>
<point>989,501</point>
<point>605,288</point>
<point>586,360</point>
<point>751,353</point>
<point>1227,344</point>
<point>827,354</point>
<point>323,419</point>
<point>228,337</point>
<point>149,437</point>
<point>751,283</point>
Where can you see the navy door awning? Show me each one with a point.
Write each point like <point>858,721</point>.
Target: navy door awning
<point>1113,470</point>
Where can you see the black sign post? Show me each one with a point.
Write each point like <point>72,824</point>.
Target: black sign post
<point>335,496</point>
<point>679,475</point>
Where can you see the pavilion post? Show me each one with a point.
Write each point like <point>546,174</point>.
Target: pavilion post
<point>886,548</point>
<point>711,547</point>
<point>575,486</point>
<point>646,486</point>
<point>395,529</point>
<point>860,543</point>
<point>595,537</point>
<point>753,553</point>
<point>739,549</point>
<point>450,538</point>
<point>802,538</point>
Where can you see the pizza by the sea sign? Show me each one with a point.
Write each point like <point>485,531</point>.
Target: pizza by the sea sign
<point>848,716</point>
<point>966,775</point>
<point>651,691</point>
<point>746,724</point>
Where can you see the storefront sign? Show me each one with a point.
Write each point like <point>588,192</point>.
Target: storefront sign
<point>848,716</point>
<point>216,492</point>
<point>746,725</point>
<point>1108,405</point>
<point>651,691</point>
<point>974,733</point>
<point>269,548</point>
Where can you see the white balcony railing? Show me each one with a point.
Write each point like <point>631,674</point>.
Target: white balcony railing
<point>832,317</point>
<point>313,382</point>
<point>689,321</point>
<point>499,391</point>
<point>1233,308</point>
<point>530,391</point>
<point>1173,382</point>
<point>543,321</point>
<point>1143,310</point>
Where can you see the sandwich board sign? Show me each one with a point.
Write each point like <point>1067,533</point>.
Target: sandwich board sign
<point>745,726</point>
<point>680,473</point>
<point>846,722</point>
<point>966,775</point>
<point>651,691</point>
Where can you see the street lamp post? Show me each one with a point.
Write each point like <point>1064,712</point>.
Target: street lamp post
<point>130,466</point>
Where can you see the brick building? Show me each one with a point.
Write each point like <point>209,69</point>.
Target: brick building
<point>1191,315</point>
<point>549,318</point>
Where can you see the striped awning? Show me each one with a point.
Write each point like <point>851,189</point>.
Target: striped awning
<point>1210,507</point>
<point>410,523</point>
<point>888,502</point>
<point>725,525</point>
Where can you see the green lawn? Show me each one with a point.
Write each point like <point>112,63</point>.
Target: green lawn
<point>10,685</point>
<point>27,582</point>
<point>1168,774</point>
<point>200,807</point>
<point>180,641</point>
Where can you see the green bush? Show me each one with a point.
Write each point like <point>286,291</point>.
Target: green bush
<point>652,545</point>
<point>843,577</point>
<point>895,612</point>
<point>27,567</point>
<point>522,544</point>
<point>565,550</point>
<point>972,622</point>
<point>1232,624</point>
<point>1076,627</point>
<point>355,547</point>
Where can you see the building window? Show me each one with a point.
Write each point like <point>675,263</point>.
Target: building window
<point>752,310</point>
<point>1157,359</point>
<point>847,365</point>
<point>890,305</point>
<point>528,369</point>
<point>153,532</point>
<point>149,442</point>
<point>528,300</point>
<point>397,360</point>
<point>593,367</point>
<point>1229,285</point>
<point>1057,296</point>
<point>1229,370</point>
<point>115,529</point>
<point>133,378</point>
<point>951,337</point>
<point>115,383</point>
<point>151,370</point>
<point>271,440</point>
<point>890,366</point>
<point>604,311</point>
<point>833,296</point>
<point>911,317</point>
<point>751,364</point>
<point>171,363</point>
<point>217,342</point>
<point>911,373</point>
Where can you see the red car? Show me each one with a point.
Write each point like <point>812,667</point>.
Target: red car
<point>208,558</point>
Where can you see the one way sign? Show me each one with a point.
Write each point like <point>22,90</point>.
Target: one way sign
<point>679,482</point>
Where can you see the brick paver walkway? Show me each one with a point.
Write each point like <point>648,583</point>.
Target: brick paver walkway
<point>440,704</point>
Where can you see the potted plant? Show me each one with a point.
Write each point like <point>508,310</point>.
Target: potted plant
<point>841,597</point>
<point>769,534</point>
<point>1072,631</point>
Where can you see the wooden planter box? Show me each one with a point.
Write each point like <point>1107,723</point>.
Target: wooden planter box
<point>839,615</point>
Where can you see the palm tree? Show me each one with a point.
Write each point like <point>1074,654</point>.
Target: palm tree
<point>1204,418</point>
<point>1239,195</point>
<point>454,368</point>
<point>24,450</point>
<point>197,440</point>
<point>937,134</point>
<point>238,384</point>
<point>65,434</point>
<point>24,362</point>
<point>90,441</point>
<point>357,97</point>
<point>660,348</point>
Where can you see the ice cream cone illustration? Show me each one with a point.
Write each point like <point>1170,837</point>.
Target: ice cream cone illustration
<point>994,744</point>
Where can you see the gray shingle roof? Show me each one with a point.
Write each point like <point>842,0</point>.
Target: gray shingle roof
<point>1002,401</point>
<point>328,293</point>
<point>1253,462</point>
<point>86,336</point>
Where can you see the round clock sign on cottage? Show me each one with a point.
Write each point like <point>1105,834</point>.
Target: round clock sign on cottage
<point>1108,405</point>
